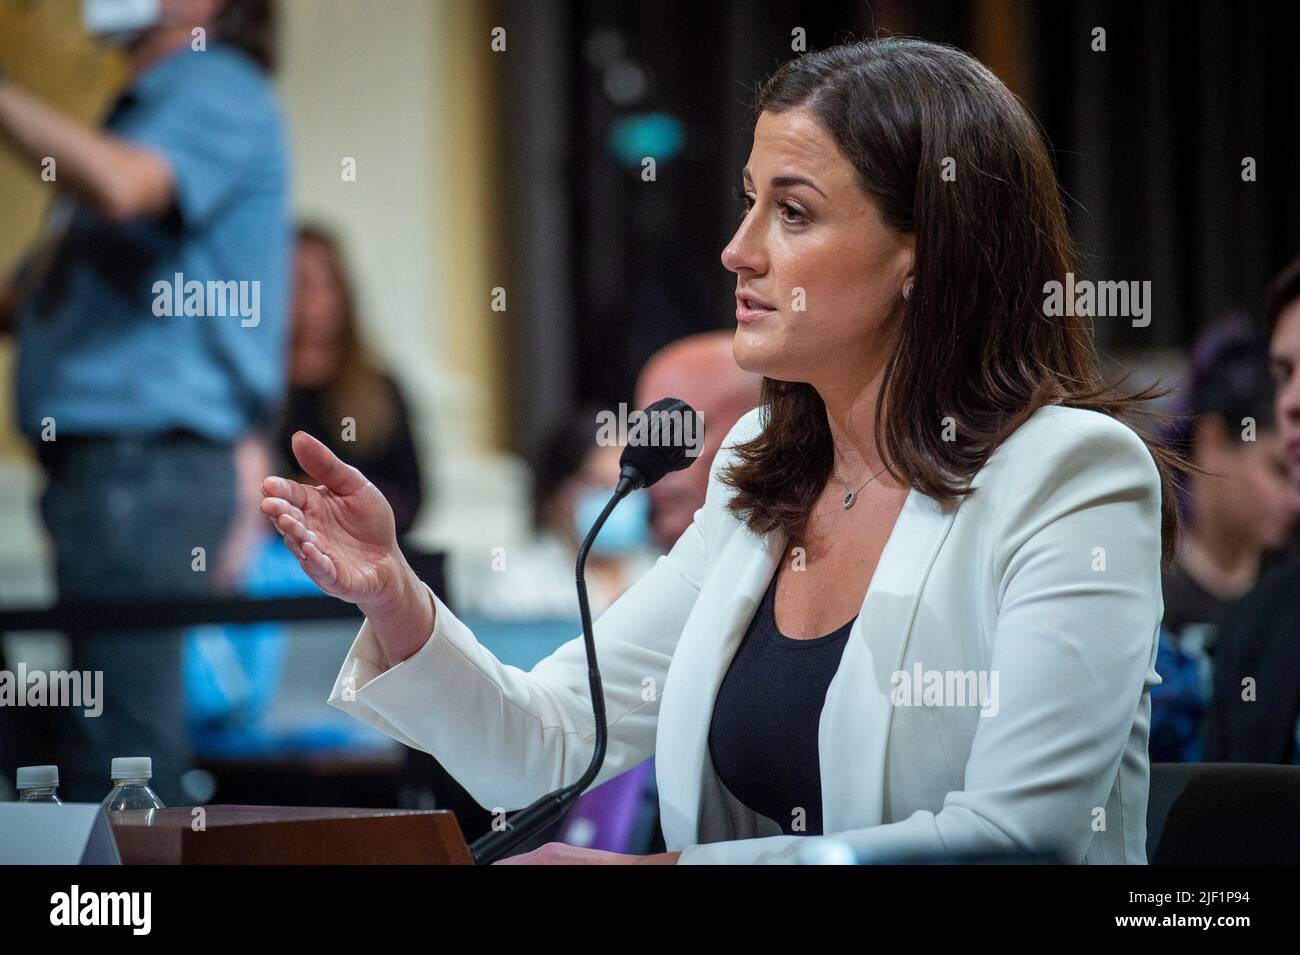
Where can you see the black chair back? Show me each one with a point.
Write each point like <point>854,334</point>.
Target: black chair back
<point>1223,814</point>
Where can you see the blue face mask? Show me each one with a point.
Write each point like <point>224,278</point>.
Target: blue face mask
<point>627,529</point>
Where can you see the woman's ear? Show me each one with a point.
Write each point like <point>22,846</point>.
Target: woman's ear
<point>909,265</point>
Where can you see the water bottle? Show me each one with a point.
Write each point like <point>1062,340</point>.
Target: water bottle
<point>131,794</point>
<point>39,784</point>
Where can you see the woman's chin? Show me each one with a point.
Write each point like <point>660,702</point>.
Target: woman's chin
<point>749,352</point>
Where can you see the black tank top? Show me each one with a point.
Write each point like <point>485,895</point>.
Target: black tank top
<point>763,733</point>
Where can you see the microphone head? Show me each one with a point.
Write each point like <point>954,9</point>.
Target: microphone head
<point>667,438</point>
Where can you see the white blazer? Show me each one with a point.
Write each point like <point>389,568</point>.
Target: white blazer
<point>1046,580</point>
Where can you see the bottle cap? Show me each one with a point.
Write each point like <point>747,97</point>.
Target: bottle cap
<point>132,767</point>
<point>37,777</point>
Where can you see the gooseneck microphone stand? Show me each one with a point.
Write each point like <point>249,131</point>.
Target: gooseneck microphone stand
<point>554,806</point>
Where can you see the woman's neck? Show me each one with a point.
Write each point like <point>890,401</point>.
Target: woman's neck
<point>851,417</point>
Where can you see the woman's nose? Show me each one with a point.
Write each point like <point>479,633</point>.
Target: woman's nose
<point>742,253</point>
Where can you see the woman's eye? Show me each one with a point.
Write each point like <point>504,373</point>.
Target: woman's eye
<point>789,213</point>
<point>797,216</point>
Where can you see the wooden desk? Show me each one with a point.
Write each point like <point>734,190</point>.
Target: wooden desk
<point>266,835</point>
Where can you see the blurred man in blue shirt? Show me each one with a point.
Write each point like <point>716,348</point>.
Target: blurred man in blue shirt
<point>151,320</point>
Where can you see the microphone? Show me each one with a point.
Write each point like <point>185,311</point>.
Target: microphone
<point>641,464</point>
<point>644,464</point>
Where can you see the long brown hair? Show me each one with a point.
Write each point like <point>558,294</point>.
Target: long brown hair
<point>973,341</point>
<point>359,388</point>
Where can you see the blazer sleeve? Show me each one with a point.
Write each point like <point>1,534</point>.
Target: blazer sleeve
<point>508,735</point>
<point>1076,569</point>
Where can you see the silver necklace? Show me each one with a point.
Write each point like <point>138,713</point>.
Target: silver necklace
<point>851,497</point>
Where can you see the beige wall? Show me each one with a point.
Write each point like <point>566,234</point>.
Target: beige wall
<point>404,88</point>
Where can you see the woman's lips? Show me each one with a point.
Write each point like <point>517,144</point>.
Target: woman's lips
<point>748,310</point>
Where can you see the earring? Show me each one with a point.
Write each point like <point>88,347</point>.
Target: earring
<point>907,290</point>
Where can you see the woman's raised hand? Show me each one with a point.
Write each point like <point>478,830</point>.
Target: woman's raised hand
<point>343,535</point>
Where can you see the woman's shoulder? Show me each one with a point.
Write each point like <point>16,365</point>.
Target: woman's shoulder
<point>1053,437</point>
<point>1079,434</point>
<point>1063,441</point>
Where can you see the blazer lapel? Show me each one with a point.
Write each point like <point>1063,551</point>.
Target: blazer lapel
<point>854,730</point>
<point>693,808</point>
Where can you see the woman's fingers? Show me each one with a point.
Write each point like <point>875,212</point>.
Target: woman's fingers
<point>322,464</point>
<point>287,490</point>
<point>295,532</point>
<point>303,544</point>
<point>273,507</point>
<point>319,565</point>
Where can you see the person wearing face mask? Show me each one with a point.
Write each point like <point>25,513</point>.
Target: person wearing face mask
<point>151,320</point>
<point>573,479</point>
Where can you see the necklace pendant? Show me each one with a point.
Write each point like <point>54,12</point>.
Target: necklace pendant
<point>849,499</point>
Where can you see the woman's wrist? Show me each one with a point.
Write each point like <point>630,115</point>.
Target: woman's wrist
<point>403,622</point>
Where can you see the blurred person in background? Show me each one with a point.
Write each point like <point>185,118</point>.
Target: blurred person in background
<point>1236,519</point>
<point>142,414</point>
<point>700,370</point>
<point>1240,515</point>
<point>1255,716</point>
<point>337,390</point>
<point>573,478</point>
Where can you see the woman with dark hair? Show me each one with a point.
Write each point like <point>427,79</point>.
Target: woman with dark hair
<point>337,389</point>
<point>917,613</point>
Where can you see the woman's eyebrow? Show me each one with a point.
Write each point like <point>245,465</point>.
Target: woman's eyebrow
<point>786,181</point>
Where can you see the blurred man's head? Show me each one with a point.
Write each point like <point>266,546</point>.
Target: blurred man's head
<point>1282,319</point>
<point>702,371</point>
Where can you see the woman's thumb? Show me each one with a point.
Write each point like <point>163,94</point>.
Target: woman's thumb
<point>323,465</point>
